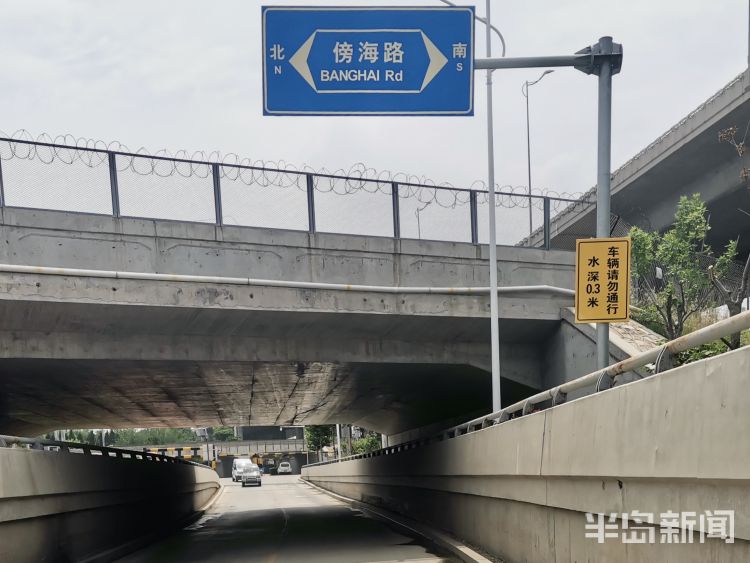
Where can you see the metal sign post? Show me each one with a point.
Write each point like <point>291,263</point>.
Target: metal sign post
<point>603,194</point>
<point>605,60</point>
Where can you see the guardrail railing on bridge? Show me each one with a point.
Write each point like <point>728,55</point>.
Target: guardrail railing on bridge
<point>595,381</point>
<point>87,449</point>
<point>95,180</point>
<point>231,447</point>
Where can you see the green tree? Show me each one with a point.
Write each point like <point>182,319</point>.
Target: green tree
<point>126,437</point>
<point>153,436</point>
<point>669,267</point>
<point>223,433</point>
<point>81,436</point>
<point>74,436</point>
<point>368,444</point>
<point>731,292</point>
<point>319,436</point>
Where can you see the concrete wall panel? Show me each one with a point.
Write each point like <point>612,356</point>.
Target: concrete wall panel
<point>67,507</point>
<point>673,442</point>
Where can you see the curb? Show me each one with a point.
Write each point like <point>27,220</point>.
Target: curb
<point>215,497</point>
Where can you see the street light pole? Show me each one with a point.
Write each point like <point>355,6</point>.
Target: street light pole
<point>525,92</point>
<point>494,328</point>
<point>494,313</point>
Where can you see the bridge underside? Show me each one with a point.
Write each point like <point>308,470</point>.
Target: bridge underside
<point>109,357</point>
<point>38,395</point>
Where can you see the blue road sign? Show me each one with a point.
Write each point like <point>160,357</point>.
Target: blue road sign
<point>368,61</point>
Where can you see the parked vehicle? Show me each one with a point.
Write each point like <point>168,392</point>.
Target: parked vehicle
<point>238,467</point>
<point>251,475</point>
<point>284,467</point>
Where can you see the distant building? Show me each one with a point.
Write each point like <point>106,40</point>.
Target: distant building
<point>270,432</point>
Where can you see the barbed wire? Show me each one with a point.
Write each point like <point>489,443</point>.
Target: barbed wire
<point>359,177</point>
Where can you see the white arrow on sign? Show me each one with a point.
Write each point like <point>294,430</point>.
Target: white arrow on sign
<point>437,62</point>
<point>299,61</point>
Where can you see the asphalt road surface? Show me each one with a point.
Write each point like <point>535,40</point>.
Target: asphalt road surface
<point>287,521</point>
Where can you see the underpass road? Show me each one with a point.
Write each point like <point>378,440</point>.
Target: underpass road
<point>287,521</point>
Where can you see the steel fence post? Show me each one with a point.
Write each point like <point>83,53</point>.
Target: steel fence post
<point>113,186</point>
<point>2,189</point>
<point>474,221</point>
<point>310,203</point>
<point>396,211</point>
<point>215,171</point>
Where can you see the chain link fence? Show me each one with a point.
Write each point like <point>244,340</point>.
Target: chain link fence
<point>99,179</point>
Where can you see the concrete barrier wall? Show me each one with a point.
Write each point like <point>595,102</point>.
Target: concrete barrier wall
<point>71,507</point>
<point>674,442</point>
<point>38,237</point>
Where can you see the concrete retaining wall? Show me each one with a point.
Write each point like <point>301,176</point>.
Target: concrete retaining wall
<point>73,507</point>
<point>674,442</point>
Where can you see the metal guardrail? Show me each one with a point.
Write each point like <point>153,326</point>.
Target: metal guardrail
<point>88,449</point>
<point>465,202</point>
<point>557,395</point>
<point>261,447</point>
<point>264,444</point>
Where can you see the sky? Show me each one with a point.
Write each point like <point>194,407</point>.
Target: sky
<point>187,75</point>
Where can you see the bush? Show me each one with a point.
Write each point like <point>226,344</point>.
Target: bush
<point>649,317</point>
<point>367,444</point>
<point>701,352</point>
<point>223,433</point>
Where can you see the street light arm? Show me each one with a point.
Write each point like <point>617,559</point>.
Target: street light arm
<point>484,21</point>
<point>525,85</point>
<point>545,73</point>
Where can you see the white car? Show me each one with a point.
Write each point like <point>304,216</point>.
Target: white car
<point>239,464</point>
<point>251,475</point>
<point>284,467</point>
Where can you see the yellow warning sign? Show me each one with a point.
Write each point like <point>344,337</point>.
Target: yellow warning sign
<point>602,280</point>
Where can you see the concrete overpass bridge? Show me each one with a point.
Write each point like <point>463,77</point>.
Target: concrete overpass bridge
<point>688,158</point>
<point>149,291</point>
<point>153,323</point>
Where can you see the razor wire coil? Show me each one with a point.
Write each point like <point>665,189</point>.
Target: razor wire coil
<point>69,149</point>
